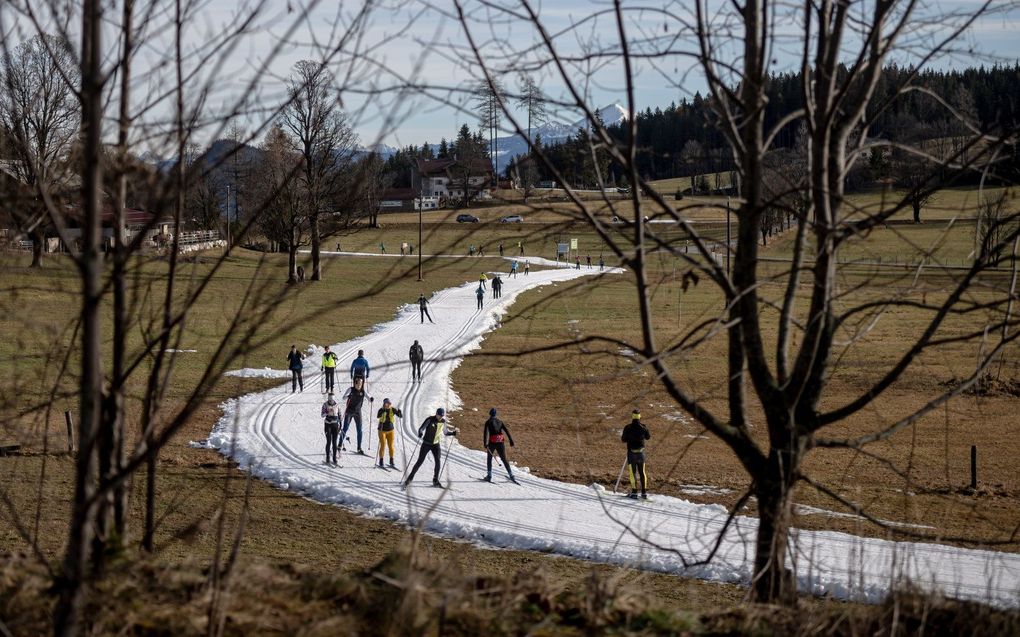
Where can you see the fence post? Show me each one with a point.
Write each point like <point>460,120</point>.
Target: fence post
<point>70,431</point>
<point>973,467</point>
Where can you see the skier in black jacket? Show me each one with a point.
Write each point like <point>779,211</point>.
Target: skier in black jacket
<point>423,307</point>
<point>635,434</point>
<point>497,287</point>
<point>431,433</point>
<point>492,438</point>
<point>353,399</point>
<point>417,355</point>
<point>295,364</point>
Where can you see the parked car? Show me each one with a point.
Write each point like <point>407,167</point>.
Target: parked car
<point>512,219</point>
<point>623,191</point>
<point>467,219</point>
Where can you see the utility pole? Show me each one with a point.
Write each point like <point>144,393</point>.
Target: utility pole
<point>421,205</point>
<point>228,220</point>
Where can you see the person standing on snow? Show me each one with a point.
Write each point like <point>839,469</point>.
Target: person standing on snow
<point>481,281</point>
<point>493,433</point>
<point>480,295</point>
<point>527,268</point>
<point>331,427</point>
<point>353,399</point>
<point>423,307</point>
<point>513,268</point>
<point>602,263</point>
<point>577,261</point>
<point>387,416</point>
<point>329,368</point>
<point>634,435</point>
<point>431,433</point>
<point>589,261</point>
<point>497,287</point>
<point>417,355</point>
<point>359,368</point>
<point>295,365</point>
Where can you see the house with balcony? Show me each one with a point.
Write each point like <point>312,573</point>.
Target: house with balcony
<point>449,179</point>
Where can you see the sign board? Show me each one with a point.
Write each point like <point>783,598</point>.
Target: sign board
<point>573,244</point>
<point>561,248</point>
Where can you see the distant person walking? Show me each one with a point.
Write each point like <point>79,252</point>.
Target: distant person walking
<point>359,367</point>
<point>497,287</point>
<point>480,295</point>
<point>589,261</point>
<point>481,251</point>
<point>602,263</point>
<point>493,433</point>
<point>329,368</point>
<point>520,247</point>
<point>295,364</point>
<point>500,248</point>
<point>577,262</point>
<point>354,398</point>
<point>431,433</point>
<point>331,427</point>
<point>423,308</point>
<point>382,248</point>
<point>471,250</point>
<point>634,435</point>
<point>417,355</point>
<point>387,416</point>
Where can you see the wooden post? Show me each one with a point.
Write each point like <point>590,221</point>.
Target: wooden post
<point>973,467</point>
<point>70,431</point>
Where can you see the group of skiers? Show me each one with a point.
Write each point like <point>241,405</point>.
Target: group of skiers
<point>495,433</point>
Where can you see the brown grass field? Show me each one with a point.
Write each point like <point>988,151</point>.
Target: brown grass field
<point>565,408</point>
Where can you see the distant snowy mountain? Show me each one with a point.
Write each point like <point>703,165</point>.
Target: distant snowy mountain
<point>551,133</point>
<point>383,150</point>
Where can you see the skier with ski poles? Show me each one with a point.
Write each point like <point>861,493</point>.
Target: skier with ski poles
<point>331,427</point>
<point>387,416</point>
<point>328,367</point>
<point>423,307</point>
<point>481,281</point>
<point>493,433</point>
<point>354,397</point>
<point>431,434</point>
<point>417,355</point>
<point>295,365</point>
<point>513,268</point>
<point>527,268</point>
<point>480,294</point>
<point>497,286</point>
<point>634,435</point>
<point>359,367</point>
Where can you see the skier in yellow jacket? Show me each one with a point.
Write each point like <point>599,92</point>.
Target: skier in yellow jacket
<point>387,420</point>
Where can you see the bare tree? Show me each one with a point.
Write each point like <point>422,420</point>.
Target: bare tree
<point>533,101</point>
<point>325,140</point>
<point>285,201</point>
<point>772,385</point>
<point>490,101</point>
<point>39,117</point>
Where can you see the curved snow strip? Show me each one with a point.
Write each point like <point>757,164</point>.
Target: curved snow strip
<point>279,437</point>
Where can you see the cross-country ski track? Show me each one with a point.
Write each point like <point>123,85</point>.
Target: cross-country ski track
<point>278,435</point>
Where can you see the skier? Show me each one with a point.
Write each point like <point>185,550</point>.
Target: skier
<point>634,435</point>
<point>493,433</point>
<point>359,368</point>
<point>480,295</point>
<point>430,433</point>
<point>353,398</point>
<point>481,281</point>
<point>500,248</point>
<point>589,261</point>
<point>577,262</point>
<point>423,307</point>
<point>497,287</point>
<point>513,268</point>
<point>417,355</point>
<point>386,416</point>
<point>295,365</point>
<point>329,368</point>
<point>602,263</point>
<point>527,268</point>
<point>331,427</point>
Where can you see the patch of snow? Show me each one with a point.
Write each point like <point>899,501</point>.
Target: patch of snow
<point>265,372</point>
<point>703,489</point>
<point>179,351</point>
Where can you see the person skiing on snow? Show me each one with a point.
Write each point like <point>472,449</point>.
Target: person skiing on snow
<point>634,435</point>
<point>331,426</point>
<point>497,287</point>
<point>602,263</point>
<point>295,365</point>
<point>481,281</point>
<point>423,307</point>
<point>329,368</point>
<point>589,261</point>
<point>480,294</point>
<point>577,262</point>
<point>493,433</point>
<point>513,268</point>
<point>527,268</point>
<point>431,433</point>
<point>417,355</point>
<point>387,419</point>
<point>353,399</point>
<point>359,367</point>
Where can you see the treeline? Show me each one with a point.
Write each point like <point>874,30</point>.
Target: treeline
<point>682,141</point>
<point>399,168</point>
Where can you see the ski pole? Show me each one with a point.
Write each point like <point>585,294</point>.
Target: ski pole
<point>371,410</point>
<point>620,477</point>
<point>448,447</point>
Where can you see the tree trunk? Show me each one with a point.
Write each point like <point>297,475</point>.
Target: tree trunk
<point>292,257</point>
<point>38,244</point>
<point>916,204</point>
<point>772,581</point>
<point>316,274</point>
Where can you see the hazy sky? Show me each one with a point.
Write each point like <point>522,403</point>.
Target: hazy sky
<point>413,41</point>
